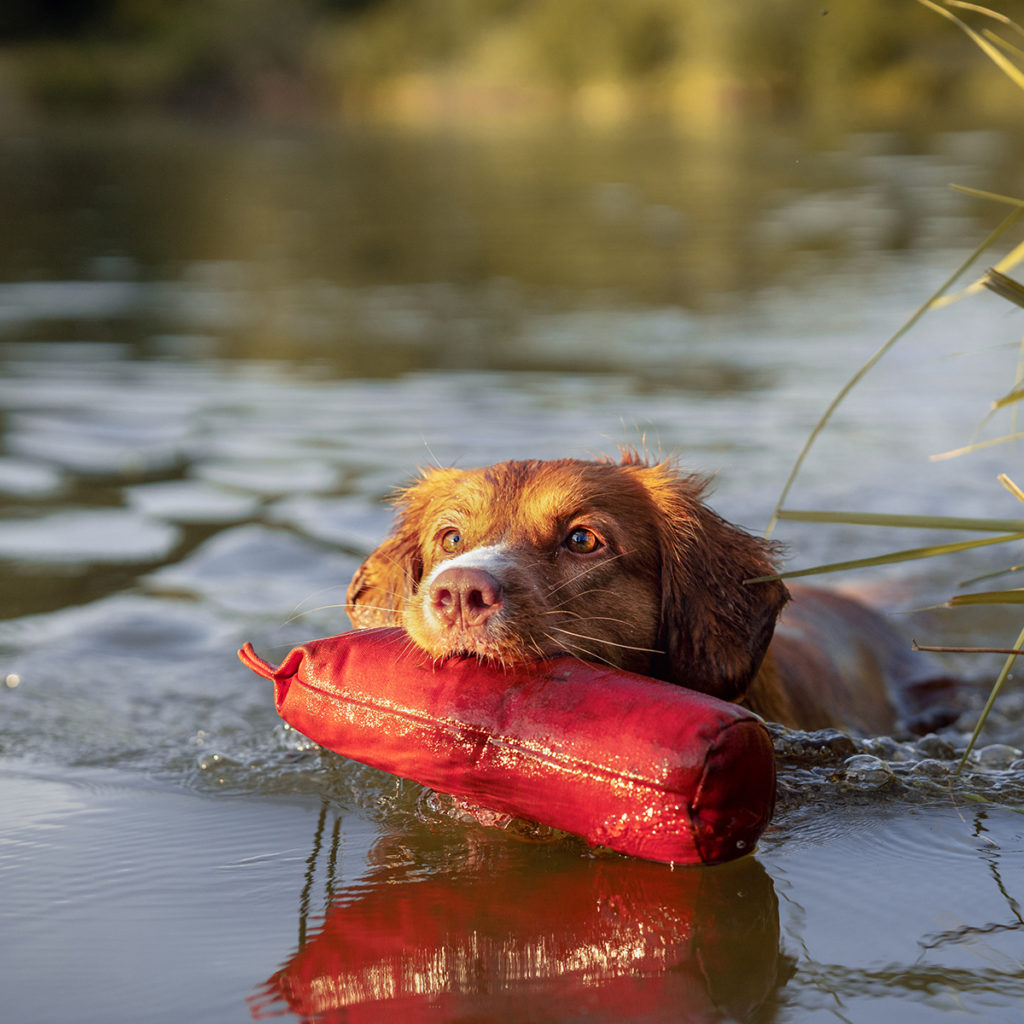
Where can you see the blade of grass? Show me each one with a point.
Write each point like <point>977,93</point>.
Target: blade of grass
<point>990,46</point>
<point>977,447</point>
<point>979,193</point>
<point>993,694</point>
<point>1018,381</point>
<point>1005,480</point>
<point>911,554</point>
<point>1008,399</point>
<point>1005,287</point>
<point>993,53</point>
<point>902,521</point>
<point>1008,571</point>
<point>1013,52</point>
<point>1015,596</point>
<point>992,238</point>
<point>987,12</point>
<point>1015,651</point>
<point>1008,262</point>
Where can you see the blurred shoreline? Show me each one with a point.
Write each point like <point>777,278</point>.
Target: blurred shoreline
<point>697,66</point>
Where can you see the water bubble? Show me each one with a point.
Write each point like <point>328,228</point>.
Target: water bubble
<point>214,761</point>
<point>867,771</point>
<point>817,747</point>
<point>431,805</point>
<point>295,756</point>
<point>997,755</point>
<point>292,740</point>
<point>933,746</point>
<point>888,749</point>
<point>931,767</point>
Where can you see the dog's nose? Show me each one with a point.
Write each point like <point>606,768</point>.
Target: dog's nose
<point>465,597</point>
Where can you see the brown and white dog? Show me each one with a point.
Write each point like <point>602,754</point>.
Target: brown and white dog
<point>623,563</point>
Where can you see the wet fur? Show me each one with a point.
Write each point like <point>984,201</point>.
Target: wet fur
<point>666,594</point>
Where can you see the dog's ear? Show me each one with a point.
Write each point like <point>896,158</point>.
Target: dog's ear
<point>384,582</point>
<point>390,575</point>
<point>715,628</point>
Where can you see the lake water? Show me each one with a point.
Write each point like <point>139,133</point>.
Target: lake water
<point>219,350</point>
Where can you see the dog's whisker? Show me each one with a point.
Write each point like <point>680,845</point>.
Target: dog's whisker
<point>582,653</point>
<point>562,645</point>
<point>316,593</point>
<point>574,614</point>
<point>589,592</point>
<point>299,613</point>
<point>566,605</point>
<point>349,605</point>
<point>585,572</point>
<point>535,644</point>
<point>610,643</point>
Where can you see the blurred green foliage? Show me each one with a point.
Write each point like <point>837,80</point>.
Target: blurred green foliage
<point>422,58</point>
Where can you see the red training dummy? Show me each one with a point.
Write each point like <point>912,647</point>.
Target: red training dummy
<point>641,766</point>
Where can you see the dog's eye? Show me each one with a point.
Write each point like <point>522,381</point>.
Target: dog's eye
<point>582,541</point>
<point>451,540</point>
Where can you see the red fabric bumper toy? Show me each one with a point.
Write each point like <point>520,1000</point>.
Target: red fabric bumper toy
<point>641,766</point>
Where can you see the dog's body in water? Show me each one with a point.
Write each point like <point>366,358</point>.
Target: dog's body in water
<point>624,564</point>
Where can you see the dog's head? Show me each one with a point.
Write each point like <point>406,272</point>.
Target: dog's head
<point>620,563</point>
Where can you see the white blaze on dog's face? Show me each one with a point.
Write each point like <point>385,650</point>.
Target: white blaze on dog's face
<point>619,563</point>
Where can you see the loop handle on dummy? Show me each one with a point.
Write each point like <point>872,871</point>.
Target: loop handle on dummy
<point>248,656</point>
<point>285,670</point>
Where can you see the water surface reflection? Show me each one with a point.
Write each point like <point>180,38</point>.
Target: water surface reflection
<point>220,351</point>
<point>513,933</point>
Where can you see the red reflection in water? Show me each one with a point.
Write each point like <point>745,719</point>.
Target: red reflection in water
<point>540,934</point>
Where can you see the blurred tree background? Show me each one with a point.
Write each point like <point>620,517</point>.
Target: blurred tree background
<point>873,60</point>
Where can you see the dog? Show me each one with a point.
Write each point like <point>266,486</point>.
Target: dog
<point>623,563</point>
